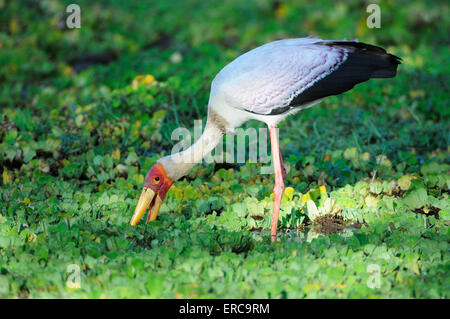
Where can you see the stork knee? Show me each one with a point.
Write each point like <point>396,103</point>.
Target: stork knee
<point>278,189</point>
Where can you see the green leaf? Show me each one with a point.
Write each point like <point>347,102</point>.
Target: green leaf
<point>154,284</point>
<point>434,168</point>
<point>404,182</point>
<point>417,198</point>
<point>28,154</point>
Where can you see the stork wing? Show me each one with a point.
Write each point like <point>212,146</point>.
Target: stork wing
<point>279,75</point>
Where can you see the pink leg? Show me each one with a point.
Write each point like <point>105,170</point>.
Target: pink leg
<point>279,180</point>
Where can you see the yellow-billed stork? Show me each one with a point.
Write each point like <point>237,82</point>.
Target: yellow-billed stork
<point>267,84</point>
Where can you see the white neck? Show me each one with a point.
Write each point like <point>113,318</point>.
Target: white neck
<point>179,164</point>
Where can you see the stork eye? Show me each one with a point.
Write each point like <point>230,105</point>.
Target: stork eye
<point>156,179</point>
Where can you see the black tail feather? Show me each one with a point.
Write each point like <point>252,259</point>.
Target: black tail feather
<point>377,61</point>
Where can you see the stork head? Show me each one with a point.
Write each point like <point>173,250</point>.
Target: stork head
<point>155,189</point>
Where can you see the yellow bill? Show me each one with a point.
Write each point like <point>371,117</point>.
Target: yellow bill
<point>144,202</point>
<point>153,212</point>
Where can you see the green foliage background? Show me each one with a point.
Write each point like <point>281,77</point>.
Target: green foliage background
<point>77,137</point>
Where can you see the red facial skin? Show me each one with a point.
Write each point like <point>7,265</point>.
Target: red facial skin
<point>157,180</point>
